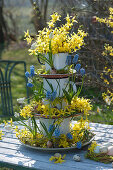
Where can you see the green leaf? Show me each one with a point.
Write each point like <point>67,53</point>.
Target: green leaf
<point>44,127</point>
<point>50,85</point>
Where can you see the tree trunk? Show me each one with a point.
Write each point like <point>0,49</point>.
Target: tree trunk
<point>45,10</point>
<point>1,23</point>
<point>38,19</point>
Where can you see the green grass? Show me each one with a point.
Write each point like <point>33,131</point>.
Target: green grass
<point>19,89</point>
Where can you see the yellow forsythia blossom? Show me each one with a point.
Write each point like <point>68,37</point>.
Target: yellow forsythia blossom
<point>60,37</point>
<point>108,96</point>
<point>63,141</point>
<point>26,111</point>
<point>58,159</point>
<point>92,147</point>
<point>81,104</point>
<point>77,105</point>
<point>1,134</point>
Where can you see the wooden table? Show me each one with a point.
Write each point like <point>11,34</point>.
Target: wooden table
<point>14,155</point>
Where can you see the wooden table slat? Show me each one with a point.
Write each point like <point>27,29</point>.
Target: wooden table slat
<point>14,154</point>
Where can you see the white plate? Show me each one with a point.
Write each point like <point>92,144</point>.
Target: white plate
<point>56,149</point>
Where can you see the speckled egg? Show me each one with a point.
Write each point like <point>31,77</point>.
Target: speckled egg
<point>49,144</point>
<point>76,158</point>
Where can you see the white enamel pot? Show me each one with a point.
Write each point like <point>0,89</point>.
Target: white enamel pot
<point>64,127</point>
<point>57,84</point>
<point>59,61</point>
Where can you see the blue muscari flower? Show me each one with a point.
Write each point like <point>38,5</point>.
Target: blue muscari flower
<point>50,128</point>
<point>27,74</point>
<point>79,145</point>
<point>75,59</point>
<point>48,95</point>
<point>32,71</point>
<point>69,60</point>
<point>82,71</point>
<point>51,96</point>
<point>29,84</point>
<point>57,132</point>
<point>77,67</point>
<point>69,136</point>
<point>54,95</point>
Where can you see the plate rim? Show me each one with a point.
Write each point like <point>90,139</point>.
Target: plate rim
<point>56,149</point>
<point>55,76</point>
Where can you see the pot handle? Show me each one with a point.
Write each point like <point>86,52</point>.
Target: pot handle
<point>40,61</point>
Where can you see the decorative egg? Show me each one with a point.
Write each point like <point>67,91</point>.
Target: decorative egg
<point>103,149</point>
<point>110,150</point>
<point>97,149</point>
<point>76,158</point>
<point>34,144</point>
<point>57,155</point>
<point>49,144</point>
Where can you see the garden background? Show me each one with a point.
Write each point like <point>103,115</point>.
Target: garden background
<point>20,15</point>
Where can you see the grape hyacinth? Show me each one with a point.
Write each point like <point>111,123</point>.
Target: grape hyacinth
<point>27,74</point>
<point>79,145</point>
<point>57,132</point>
<point>29,84</point>
<point>82,71</point>
<point>32,71</point>
<point>69,60</point>
<point>51,96</point>
<point>75,59</point>
<point>50,128</point>
<point>30,75</point>
<point>77,67</point>
<point>69,136</point>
